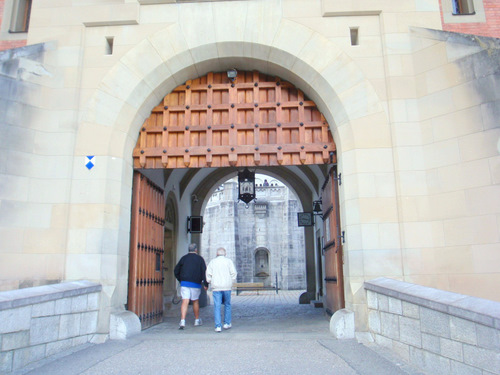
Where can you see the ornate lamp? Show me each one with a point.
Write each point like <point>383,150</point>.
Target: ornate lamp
<point>246,186</point>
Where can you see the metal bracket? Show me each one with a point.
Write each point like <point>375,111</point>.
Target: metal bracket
<point>342,236</point>
<point>339,179</point>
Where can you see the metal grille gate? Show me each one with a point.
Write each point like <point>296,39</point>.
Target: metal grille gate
<point>145,293</point>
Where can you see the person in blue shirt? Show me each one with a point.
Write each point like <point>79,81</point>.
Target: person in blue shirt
<point>190,272</point>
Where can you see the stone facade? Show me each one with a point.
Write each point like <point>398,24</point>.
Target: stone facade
<point>413,111</point>
<point>39,322</point>
<point>439,332</point>
<point>263,240</point>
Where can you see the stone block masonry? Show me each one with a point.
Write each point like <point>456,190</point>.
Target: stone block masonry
<point>39,322</point>
<point>268,226</point>
<point>438,331</point>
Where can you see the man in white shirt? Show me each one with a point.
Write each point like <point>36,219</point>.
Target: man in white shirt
<point>221,274</point>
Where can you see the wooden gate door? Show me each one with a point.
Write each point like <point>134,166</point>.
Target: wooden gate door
<point>145,291</point>
<point>332,245</point>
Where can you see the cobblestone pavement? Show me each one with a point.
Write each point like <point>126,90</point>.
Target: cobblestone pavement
<point>271,334</point>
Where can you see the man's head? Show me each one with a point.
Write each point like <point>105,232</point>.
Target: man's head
<point>221,251</point>
<point>192,248</point>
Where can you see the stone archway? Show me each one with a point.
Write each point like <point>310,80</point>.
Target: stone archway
<point>248,121</point>
<point>144,75</point>
<point>293,180</point>
<point>271,44</point>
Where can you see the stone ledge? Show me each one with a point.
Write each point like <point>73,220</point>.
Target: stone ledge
<point>29,296</point>
<point>475,309</point>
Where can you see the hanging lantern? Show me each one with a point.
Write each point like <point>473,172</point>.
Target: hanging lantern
<point>246,186</point>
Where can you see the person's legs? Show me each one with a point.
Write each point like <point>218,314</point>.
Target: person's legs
<point>190,294</point>
<point>196,309</point>
<point>184,308</point>
<point>186,296</point>
<point>195,297</point>
<point>217,297</point>
<point>227,306</point>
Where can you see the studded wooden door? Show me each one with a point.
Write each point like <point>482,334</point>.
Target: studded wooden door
<point>332,245</point>
<point>145,292</point>
<point>257,120</point>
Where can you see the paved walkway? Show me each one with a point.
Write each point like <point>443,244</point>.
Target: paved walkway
<point>271,334</point>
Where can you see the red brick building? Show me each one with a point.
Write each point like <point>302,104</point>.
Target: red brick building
<point>478,17</point>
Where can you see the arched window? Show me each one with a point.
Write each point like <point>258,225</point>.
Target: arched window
<point>262,263</point>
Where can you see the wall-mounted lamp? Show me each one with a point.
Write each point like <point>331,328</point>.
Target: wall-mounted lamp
<point>306,219</point>
<point>246,186</point>
<point>317,209</point>
<point>232,74</point>
<point>195,224</point>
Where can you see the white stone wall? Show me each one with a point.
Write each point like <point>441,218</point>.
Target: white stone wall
<point>449,179</point>
<point>39,322</point>
<point>437,331</point>
<point>36,147</point>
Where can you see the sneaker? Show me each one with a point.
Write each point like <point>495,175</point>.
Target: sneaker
<point>227,326</point>
<point>182,324</point>
<point>197,322</point>
<point>218,329</point>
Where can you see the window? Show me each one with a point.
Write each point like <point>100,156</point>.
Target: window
<point>354,36</point>
<point>109,45</point>
<point>20,19</point>
<point>463,11</point>
<point>463,7</point>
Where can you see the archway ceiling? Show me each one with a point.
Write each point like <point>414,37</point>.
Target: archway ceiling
<point>294,179</point>
<point>304,180</point>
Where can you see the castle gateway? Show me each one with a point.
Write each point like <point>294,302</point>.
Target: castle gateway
<point>373,108</point>
<point>207,130</point>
